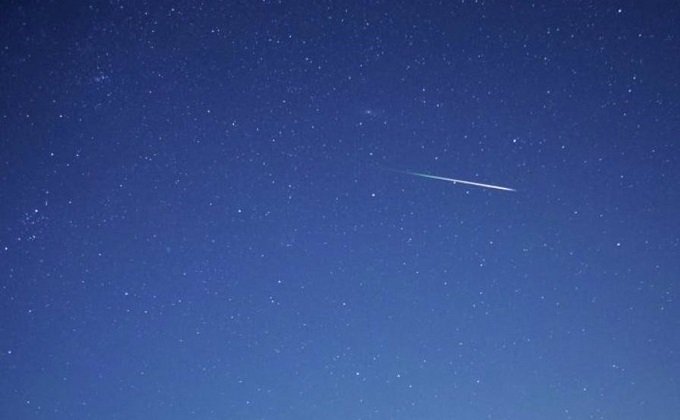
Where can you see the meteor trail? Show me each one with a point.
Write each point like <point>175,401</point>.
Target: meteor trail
<point>457,181</point>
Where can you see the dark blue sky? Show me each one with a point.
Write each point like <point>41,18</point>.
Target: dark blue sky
<point>201,218</point>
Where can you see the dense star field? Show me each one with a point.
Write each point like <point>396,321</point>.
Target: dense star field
<point>234,210</point>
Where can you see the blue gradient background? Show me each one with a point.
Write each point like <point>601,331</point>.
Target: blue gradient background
<point>196,220</point>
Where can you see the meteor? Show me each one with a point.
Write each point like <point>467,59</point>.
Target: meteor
<point>458,181</point>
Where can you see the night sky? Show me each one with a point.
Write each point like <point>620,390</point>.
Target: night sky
<point>206,210</point>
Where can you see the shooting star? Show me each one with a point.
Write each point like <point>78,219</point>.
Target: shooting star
<point>458,181</point>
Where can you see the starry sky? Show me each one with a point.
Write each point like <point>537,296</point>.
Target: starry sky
<point>204,211</point>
